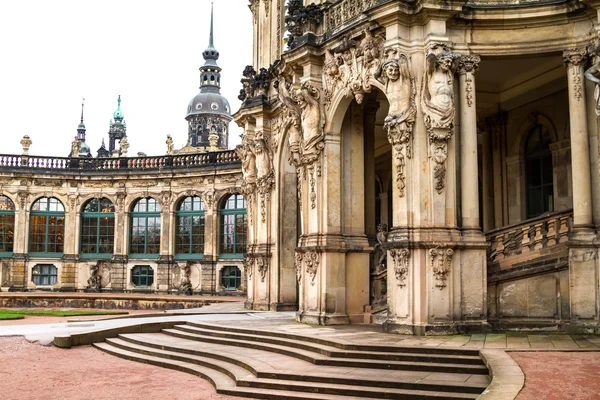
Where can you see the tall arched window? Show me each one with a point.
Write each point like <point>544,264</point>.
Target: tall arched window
<point>97,229</point>
<point>233,227</point>
<point>538,172</point>
<point>189,228</point>
<point>144,238</point>
<point>7,226</point>
<point>47,227</point>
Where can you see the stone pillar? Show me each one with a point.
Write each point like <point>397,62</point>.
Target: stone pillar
<point>369,112</point>
<point>488,182</point>
<point>580,152</point>
<point>583,253</point>
<point>468,142</point>
<point>18,272</point>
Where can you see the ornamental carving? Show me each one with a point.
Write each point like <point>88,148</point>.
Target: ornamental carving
<point>262,265</point>
<point>255,84</point>
<point>351,65</point>
<point>345,10</point>
<point>248,265</point>
<point>468,65</point>
<point>441,265</point>
<point>400,90</point>
<point>593,74</point>
<point>246,155</point>
<point>298,257</point>
<point>95,280</point>
<point>379,250</point>
<point>400,258</point>
<point>312,265</point>
<point>121,201</point>
<point>253,6</point>
<point>265,177</point>
<point>301,19</point>
<point>438,108</point>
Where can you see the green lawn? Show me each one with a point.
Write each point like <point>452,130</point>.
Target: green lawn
<point>18,314</point>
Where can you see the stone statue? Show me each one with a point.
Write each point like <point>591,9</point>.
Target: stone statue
<point>291,125</point>
<point>370,50</point>
<point>95,280</point>
<point>26,143</point>
<point>75,148</point>
<point>379,250</point>
<point>185,283</point>
<point>400,91</point>
<point>264,165</point>
<point>593,74</point>
<point>438,90</point>
<point>170,146</point>
<point>248,158</point>
<point>124,144</point>
<point>313,120</point>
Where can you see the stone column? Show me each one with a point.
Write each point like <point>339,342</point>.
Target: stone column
<point>488,183</point>
<point>580,152</point>
<point>468,153</point>
<point>369,112</point>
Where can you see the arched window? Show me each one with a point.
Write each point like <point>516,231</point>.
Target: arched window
<point>47,227</point>
<point>231,277</point>
<point>144,238</point>
<point>233,227</point>
<point>98,228</point>
<point>189,228</point>
<point>7,226</point>
<point>538,172</point>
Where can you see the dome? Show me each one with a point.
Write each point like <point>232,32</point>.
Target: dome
<point>208,103</point>
<point>85,150</point>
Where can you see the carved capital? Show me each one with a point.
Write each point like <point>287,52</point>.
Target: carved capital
<point>575,57</point>
<point>441,265</point>
<point>468,63</point>
<point>312,265</point>
<point>400,259</point>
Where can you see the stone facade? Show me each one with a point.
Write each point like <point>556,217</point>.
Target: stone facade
<point>74,182</point>
<point>467,127</point>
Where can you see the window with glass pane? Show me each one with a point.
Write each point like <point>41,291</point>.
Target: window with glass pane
<point>144,238</point>
<point>44,274</point>
<point>538,172</point>
<point>189,228</point>
<point>142,276</point>
<point>233,226</point>
<point>7,226</point>
<point>97,228</point>
<point>47,227</point>
<point>231,277</point>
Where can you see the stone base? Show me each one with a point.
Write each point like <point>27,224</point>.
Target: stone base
<point>283,307</point>
<point>583,328</point>
<point>450,328</point>
<point>248,305</point>
<point>322,319</point>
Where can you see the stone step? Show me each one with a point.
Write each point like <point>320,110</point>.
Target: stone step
<point>335,352</point>
<point>263,370</point>
<point>221,382</point>
<point>242,379</point>
<point>338,344</point>
<point>331,361</point>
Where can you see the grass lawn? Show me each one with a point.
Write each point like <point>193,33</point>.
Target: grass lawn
<point>18,314</point>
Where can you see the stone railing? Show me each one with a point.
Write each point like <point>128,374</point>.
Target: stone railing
<point>529,239</point>
<point>11,161</point>
<point>337,14</point>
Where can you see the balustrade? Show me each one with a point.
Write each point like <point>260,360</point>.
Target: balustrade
<point>529,239</point>
<point>11,161</point>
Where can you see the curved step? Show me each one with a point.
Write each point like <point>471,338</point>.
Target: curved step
<point>340,344</point>
<point>217,373</point>
<point>340,362</point>
<point>149,342</point>
<point>335,352</point>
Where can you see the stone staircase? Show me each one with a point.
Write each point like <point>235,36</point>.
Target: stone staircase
<point>264,364</point>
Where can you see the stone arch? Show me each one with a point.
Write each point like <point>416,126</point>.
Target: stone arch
<point>36,196</point>
<point>83,199</point>
<point>133,200</point>
<point>177,198</point>
<point>11,198</point>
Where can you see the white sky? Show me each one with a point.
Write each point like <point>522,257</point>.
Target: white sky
<point>53,53</point>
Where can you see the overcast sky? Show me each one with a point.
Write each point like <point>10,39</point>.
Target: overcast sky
<point>53,53</point>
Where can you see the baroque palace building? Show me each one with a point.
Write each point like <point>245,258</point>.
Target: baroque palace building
<point>432,165</point>
<point>174,223</point>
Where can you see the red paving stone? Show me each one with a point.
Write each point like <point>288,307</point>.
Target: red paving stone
<point>33,372</point>
<point>559,375</point>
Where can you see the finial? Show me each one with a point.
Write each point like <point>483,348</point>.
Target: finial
<point>119,102</point>
<point>210,44</point>
<point>82,102</point>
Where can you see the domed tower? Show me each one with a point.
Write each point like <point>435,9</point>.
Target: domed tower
<point>118,127</point>
<point>209,111</point>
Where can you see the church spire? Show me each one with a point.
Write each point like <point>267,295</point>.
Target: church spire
<point>210,72</point>
<point>81,126</point>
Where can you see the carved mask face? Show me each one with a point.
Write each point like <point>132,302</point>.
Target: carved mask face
<point>392,71</point>
<point>301,101</point>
